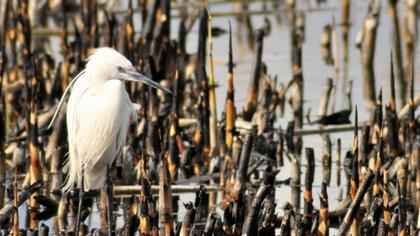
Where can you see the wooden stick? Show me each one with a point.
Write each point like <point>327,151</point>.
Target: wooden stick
<point>392,123</point>
<point>336,64</point>
<point>252,95</point>
<point>379,160</point>
<point>230,97</point>
<point>326,45</point>
<point>103,211</point>
<point>338,162</point>
<point>2,158</point>
<point>214,144</point>
<point>230,112</point>
<point>15,207</point>
<point>323,103</point>
<point>392,99</point>
<point>280,151</point>
<point>396,40</point>
<point>355,205</point>
<point>295,183</point>
<point>297,96</point>
<point>406,109</point>
<point>241,173</point>
<point>364,145</point>
<point>378,119</point>
<point>307,193</point>
<point>173,148</point>
<point>387,199</point>
<point>323,227</point>
<point>402,194</point>
<point>291,20</point>
<point>368,55</point>
<point>188,221</point>
<point>355,176</point>
<point>345,21</point>
<point>326,159</point>
<point>267,213</point>
<point>412,122</point>
<point>249,227</point>
<point>202,82</point>
<point>62,214</point>
<point>165,201</point>
<point>415,156</point>
<point>409,34</point>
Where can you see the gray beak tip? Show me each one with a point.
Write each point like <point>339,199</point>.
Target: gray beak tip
<point>135,76</point>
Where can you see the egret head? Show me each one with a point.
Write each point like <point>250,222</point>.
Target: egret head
<point>106,64</point>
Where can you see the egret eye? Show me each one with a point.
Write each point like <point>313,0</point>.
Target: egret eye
<point>120,69</point>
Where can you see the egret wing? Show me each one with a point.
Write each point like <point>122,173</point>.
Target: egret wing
<point>102,120</point>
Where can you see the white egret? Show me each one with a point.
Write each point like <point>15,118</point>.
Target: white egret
<point>99,112</point>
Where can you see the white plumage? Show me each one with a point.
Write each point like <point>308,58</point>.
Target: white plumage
<point>98,115</point>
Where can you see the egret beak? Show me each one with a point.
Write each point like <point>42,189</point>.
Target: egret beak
<point>137,77</point>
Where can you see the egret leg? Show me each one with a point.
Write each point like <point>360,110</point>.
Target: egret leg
<point>109,191</point>
<point>79,209</point>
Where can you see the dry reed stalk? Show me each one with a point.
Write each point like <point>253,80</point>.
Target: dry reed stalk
<point>409,34</point>
<point>249,226</point>
<point>402,178</point>
<point>241,174</point>
<point>368,56</point>
<point>323,103</point>
<point>307,193</point>
<point>335,62</point>
<point>103,211</point>
<point>323,227</point>
<point>378,119</point>
<point>297,97</point>
<point>295,183</point>
<point>15,207</point>
<point>173,148</point>
<point>252,95</point>
<point>188,221</point>
<point>62,214</point>
<point>355,178</point>
<point>355,206</point>
<point>326,45</point>
<point>2,159</point>
<point>212,94</point>
<point>386,201</point>
<point>338,162</point>
<point>379,160</point>
<point>364,146</point>
<point>214,139</point>
<point>326,159</point>
<point>396,40</point>
<point>165,200</point>
<point>291,19</point>
<point>345,21</point>
<point>406,109</point>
